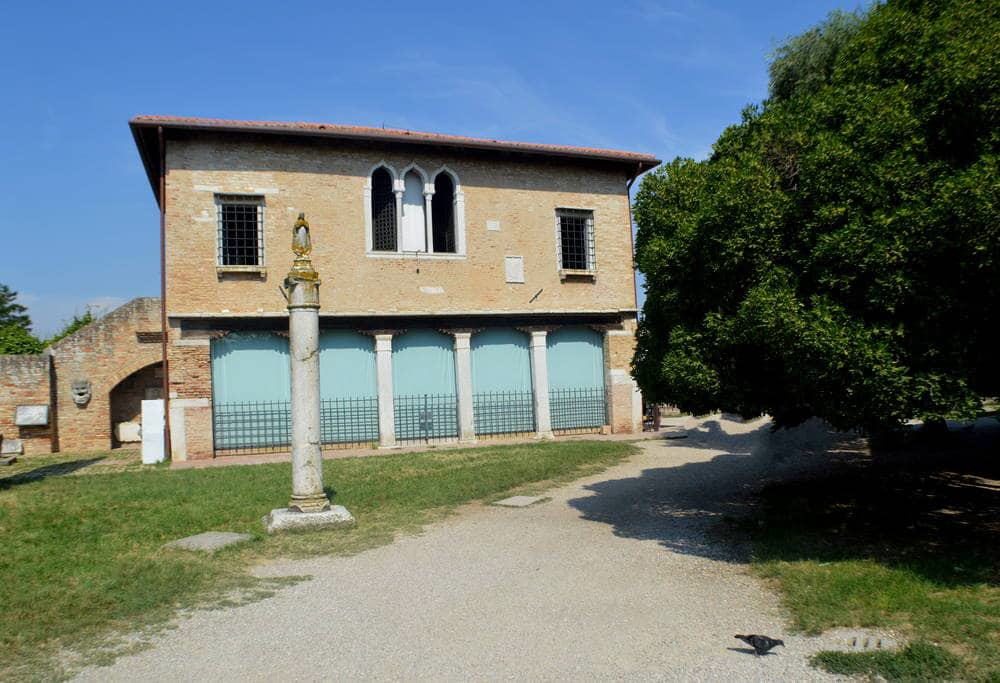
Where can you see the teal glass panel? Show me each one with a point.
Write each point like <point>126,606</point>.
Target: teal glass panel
<point>250,366</point>
<point>423,384</point>
<point>346,365</point>
<point>501,361</point>
<point>423,362</point>
<point>502,398</point>
<point>575,358</point>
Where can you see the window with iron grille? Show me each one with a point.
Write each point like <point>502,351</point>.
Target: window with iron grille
<point>383,211</point>
<point>575,239</point>
<point>241,230</point>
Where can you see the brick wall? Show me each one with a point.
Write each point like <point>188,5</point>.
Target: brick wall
<point>327,183</point>
<point>190,359</point>
<point>24,380</point>
<point>106,353</point>
<point>624,399</point>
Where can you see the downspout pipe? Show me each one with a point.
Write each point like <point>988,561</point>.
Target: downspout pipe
<point>163,291</point>
<point>631,237</point>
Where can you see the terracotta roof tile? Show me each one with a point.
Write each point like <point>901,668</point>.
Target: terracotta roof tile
<point>391,135</point>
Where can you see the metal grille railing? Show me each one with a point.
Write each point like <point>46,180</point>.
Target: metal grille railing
<point>504,412</point>
<point>580,410</point>
<point>241,228</point>
<point>252,427</point>
<point>266,426</point>
<point>426,417</point>
<point>348,421</point>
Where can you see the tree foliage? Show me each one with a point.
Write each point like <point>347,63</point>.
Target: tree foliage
<point>15,325</point>
<point>72,326</point>
<point>11,312</point>
<point>837,254</point>
<point>15,339</point>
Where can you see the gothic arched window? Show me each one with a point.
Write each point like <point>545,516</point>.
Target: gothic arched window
<point>443,214</point>
<point>383,211</point>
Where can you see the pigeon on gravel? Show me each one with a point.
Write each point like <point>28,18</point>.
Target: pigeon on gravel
<point>760,644</point>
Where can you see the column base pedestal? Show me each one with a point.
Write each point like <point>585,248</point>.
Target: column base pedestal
<point>545,436</point>
<point>284,519</point>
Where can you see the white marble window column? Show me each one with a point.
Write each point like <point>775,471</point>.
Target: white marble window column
<point>540,382</point>
<point>463,381</point>
<point>386,408</point>
<point>429,216</point>
<point>398,189</point>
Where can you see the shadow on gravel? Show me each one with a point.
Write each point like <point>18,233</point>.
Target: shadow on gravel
<point>811,493</point>
<point>678,506</point>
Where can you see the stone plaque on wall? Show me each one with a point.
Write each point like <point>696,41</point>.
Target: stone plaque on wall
<point>31,416</point>
<point>514,268</point>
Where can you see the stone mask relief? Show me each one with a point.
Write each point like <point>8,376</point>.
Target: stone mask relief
<point>81,391</point>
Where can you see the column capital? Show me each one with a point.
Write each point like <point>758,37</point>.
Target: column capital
<point>381,333</point>
<point>460,331</point>
<point>537,330</point>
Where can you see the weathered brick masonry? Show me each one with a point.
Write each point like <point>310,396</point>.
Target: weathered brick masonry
<point>328,184</point>
<point>105,353</point>
<point>24,380</point>
<point>510,193</point>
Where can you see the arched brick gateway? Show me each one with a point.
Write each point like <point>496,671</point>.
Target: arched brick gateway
<point>104,353</point>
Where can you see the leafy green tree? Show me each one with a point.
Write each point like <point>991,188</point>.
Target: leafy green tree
<point>16,339</point>
<point>15,325</point>
<point>72,326</point>
<point>837,254</point>
<point>11,312</point>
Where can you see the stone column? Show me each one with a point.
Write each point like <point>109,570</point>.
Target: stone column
<point>540,383</point>
<point>429,217</point>
<point>309,506</point>
<point>463,380</point>
<point>398,191</point>
<point>386,408</point>
<point>303,343</point>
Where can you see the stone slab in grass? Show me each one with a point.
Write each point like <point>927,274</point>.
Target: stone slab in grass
<point>519,501</point>
<point>209,542</point>
<point>8,460</point>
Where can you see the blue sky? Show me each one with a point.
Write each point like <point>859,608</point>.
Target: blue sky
<point>78,224</point>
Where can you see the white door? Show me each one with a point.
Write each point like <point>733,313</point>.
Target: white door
<point>414,230</point>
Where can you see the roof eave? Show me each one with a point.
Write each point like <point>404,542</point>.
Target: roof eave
<point>636,164</point>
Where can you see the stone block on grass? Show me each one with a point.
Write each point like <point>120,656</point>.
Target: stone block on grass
<point>209,542</point>
<point>283,519</point>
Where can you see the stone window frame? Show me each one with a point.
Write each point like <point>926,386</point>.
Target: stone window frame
<point>223,198</point>
<point>398,186</point>
<point>590,272</point>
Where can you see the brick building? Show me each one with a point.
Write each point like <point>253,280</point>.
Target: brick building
<point>471,288</point>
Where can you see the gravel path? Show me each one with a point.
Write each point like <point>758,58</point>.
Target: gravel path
<point>614,577</point>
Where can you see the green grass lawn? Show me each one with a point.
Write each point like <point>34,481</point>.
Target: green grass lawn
<point>81,538</point>
<point>909,541</point>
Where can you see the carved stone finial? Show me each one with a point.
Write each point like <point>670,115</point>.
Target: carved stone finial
<point>301,242</point>
<point>302,267</point>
